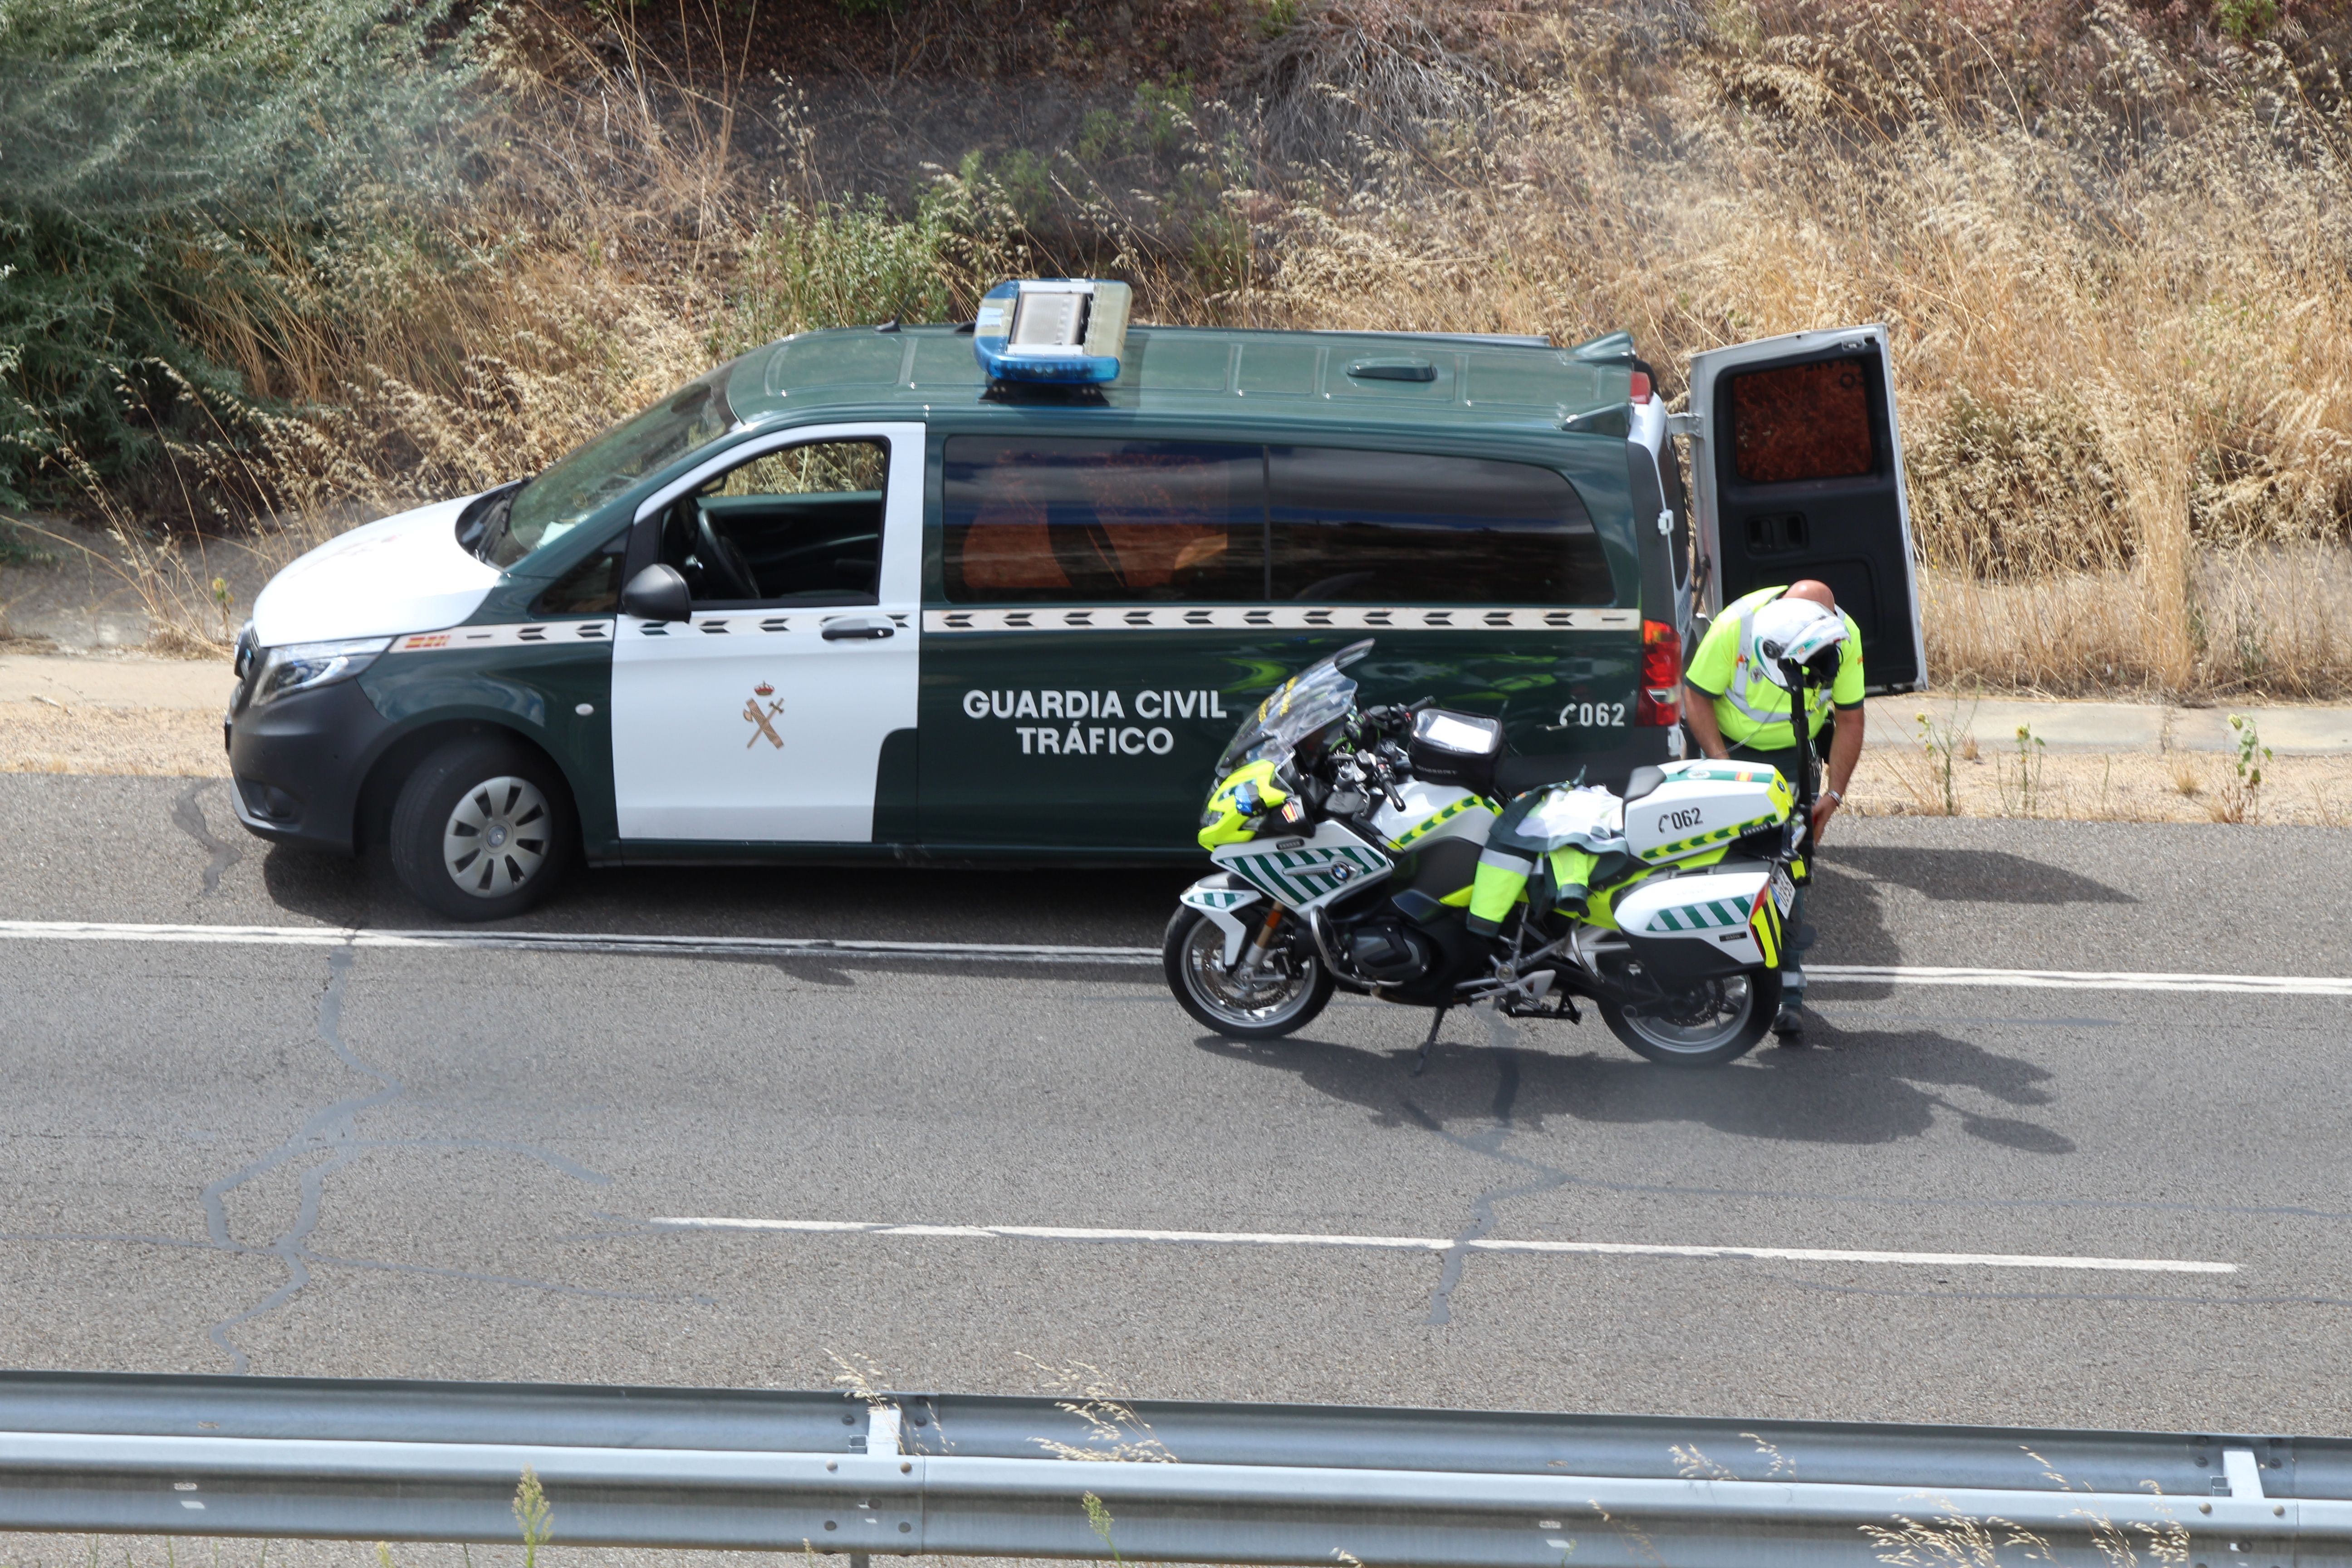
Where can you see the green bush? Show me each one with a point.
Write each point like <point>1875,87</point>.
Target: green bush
<point>160,160</point>
<point>2246,20</point>
<point>850,265</point>
<point>846,265</point>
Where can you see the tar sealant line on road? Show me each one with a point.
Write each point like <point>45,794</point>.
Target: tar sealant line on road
<point>1442,1243</point>
<point>569,942</point>
<point>1038,953</point>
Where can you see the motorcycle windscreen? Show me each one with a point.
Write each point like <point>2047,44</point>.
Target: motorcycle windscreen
<point>1800,474</point>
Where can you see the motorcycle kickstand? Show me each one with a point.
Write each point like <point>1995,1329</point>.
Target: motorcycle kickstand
<point>1436,1022</point>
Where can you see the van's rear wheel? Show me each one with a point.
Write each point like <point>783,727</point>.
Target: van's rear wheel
<point>1284,994</point>
<point>482,830</point>
<point>1703,1025</point>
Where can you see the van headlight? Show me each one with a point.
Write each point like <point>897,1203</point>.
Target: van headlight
<point>304,666</point>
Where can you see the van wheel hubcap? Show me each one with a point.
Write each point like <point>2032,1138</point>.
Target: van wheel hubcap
<point>497,836</point>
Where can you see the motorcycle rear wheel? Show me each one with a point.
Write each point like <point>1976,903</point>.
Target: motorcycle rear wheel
<point>1706,1024</point>
<point>1287,995</point>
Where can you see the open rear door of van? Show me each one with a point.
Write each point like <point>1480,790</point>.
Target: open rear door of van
<point>1797,470</point>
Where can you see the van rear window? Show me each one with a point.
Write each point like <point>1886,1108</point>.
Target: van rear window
<point>1802,422</point>
<point>1394,528</point>
<point>1072,520</point>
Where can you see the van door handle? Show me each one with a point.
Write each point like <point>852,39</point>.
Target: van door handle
<point>869,631</point>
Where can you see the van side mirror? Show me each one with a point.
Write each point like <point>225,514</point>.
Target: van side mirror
<point>657,594</point>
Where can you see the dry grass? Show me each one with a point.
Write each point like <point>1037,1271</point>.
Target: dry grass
<point>2113,268</point>
<point>2275,619</point>
<point>2123,349</point>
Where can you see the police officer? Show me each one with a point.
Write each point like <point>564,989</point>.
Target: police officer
<point>1738,710</point>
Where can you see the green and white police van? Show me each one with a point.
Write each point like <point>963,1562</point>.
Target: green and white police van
<point>1002,592</point>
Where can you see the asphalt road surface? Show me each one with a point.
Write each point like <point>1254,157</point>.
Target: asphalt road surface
<point>322,1159</point>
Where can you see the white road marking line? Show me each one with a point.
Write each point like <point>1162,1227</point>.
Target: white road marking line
<point>2085,979</point>
<point>1440,1244</point>
<point>1039,953</point>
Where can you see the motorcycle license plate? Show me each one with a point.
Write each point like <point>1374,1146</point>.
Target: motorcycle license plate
<point>1784,889</point>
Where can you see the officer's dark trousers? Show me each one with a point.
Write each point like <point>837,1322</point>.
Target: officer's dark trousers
<point>1792,973</point>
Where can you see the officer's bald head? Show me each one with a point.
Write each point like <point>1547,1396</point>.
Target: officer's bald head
<point>1816,592</point>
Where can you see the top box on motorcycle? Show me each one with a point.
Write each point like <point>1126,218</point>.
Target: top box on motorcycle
<point>1696,805</point>
<point>1462,749</point>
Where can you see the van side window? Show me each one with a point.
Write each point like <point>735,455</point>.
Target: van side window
<point>1802,422</point>
<point>802,526</point>
<point>1059,519</point>
<point>1396,527</point>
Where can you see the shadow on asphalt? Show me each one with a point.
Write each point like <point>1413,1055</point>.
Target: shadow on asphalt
<point>1969,876</point>
<point>1846,1087</point>
<point>884,902</point>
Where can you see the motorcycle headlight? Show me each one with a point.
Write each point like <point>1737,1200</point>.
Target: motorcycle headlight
<point>306,665</point>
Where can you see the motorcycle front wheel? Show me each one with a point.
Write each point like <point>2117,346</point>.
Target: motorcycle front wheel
<point>1283,995</point>
<point>1702,1025</point>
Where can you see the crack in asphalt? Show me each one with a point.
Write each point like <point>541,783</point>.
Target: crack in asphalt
<point>188,815</point>
<point>1827,1288</point>
<point>1503,1046</point>
<point>334,1132</point>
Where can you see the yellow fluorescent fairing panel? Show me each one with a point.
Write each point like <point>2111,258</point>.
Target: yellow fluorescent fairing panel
<point>1239,802</point>
<point>1765,922</point>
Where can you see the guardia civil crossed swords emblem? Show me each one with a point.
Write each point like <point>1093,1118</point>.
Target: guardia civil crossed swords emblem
<point>763,718</point>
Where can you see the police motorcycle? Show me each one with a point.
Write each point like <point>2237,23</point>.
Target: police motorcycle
<point>1368,849</point>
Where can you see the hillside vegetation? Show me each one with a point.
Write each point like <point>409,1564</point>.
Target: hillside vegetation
<point>2113,242</point>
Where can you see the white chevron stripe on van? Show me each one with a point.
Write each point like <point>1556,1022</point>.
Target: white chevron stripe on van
<point>1278,618</point>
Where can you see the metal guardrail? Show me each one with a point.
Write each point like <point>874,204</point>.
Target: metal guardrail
<point>941,1474</point>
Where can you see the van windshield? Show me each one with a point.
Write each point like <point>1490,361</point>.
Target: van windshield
<point>571,489</point>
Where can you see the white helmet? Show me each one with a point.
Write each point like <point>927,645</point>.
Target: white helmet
<point>1798,630</point>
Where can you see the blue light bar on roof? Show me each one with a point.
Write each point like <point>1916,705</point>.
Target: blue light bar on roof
<point>1066,331</point>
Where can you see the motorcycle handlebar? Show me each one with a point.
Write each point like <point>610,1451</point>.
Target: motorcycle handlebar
<point>1391,717</point>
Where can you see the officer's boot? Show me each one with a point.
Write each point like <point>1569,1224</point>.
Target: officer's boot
<point>1789,1026</point>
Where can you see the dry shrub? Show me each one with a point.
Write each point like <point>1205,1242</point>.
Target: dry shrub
<point>1356,78</point>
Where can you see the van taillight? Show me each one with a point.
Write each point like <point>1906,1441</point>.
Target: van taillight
<point>1660,700</point>
<point>1641,393</point>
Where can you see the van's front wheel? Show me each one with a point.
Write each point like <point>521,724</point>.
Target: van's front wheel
<point>1284,994</point>
<point>482,830</point>
<point>1703,1025</point>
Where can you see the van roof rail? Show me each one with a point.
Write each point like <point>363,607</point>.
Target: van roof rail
<point>1493,340</point>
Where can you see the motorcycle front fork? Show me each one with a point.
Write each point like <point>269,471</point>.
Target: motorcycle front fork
<point>1253,957</point>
